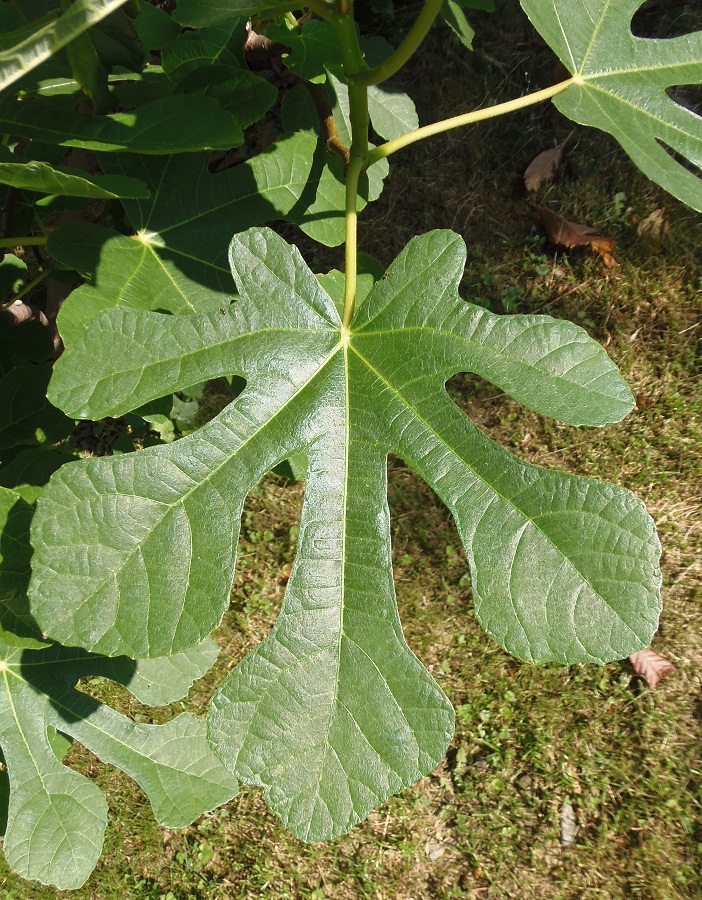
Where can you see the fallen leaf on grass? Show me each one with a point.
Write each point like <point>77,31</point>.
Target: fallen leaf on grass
<point>569,824</point>
<point>545,166</point>
<point>651,666</point>
<point>572,234</point>
<point>652,230</point>
<point>434,850</point>
<point>643,402</point>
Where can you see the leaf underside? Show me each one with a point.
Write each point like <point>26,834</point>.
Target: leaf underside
<point>333,712</point>
<point>622,82</point>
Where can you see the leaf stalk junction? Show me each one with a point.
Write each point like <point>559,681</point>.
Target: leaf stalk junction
<point>358,77</point>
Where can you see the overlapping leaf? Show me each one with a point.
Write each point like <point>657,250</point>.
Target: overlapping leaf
<point>333,712</point>
<point>314,47</point>
<point>171,125</point>
<point>177,261</point>
<point>40,176</point>
<point>621,83</point>
<point>39,40</point>
<point>56,817</point>
<point>200,13</point>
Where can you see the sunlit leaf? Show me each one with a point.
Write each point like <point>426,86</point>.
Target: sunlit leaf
<point>621,82</point>
<point>41,177</point>
<point>56,817</point>
<point>333,712</point>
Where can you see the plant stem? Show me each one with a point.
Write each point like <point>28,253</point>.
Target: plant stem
<point>412,40</point>
<point>27,288</point>
<point>354,65</point>
<point>353,173</point>
<point>8,243</point>
<point>477,115</point>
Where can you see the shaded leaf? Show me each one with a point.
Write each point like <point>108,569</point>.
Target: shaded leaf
<point>116,41</point>
<point>314,48</point>
<point>332,712</point>
<point>545,166</point>
<point>200,13</point>
<point>177,261</point>
<point>17,626</point>
<point>620,85</point>
<point>26,342</point>
<point>171,125</point>
<point>571,234</point>
<point>12,271</point>
<point>156,29</point>
<point>651,666</point>
<point>88,70</point>
<point>26,416</point>
<point>195,50</point>
<point>43,178</point>
<point>122,271</point>
<point>30,470</point>
<point>244,95</point>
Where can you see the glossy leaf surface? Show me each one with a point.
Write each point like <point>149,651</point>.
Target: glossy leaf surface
<point>621,84</point>
<point>333,712</point>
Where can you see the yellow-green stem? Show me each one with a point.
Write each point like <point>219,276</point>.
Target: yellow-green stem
<point>412,40</point>
<point>8,243</point>
<point>477,115</point>
<point>27,288</point>
<point>353,173</point>
<point>354,65</point>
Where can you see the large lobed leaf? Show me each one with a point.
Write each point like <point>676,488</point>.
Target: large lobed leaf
<point>621,82</point>
<point>333,712</point>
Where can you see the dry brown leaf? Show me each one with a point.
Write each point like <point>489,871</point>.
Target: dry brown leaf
<point>651,666</point>
<point>653,229</point>
<point>545,166</point>
<point>572,234</point>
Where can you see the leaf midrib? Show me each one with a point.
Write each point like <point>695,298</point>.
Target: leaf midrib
<point>481,478</point>
<point>516,361</point>
<point>235,370</point>
<point>167,507</point>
